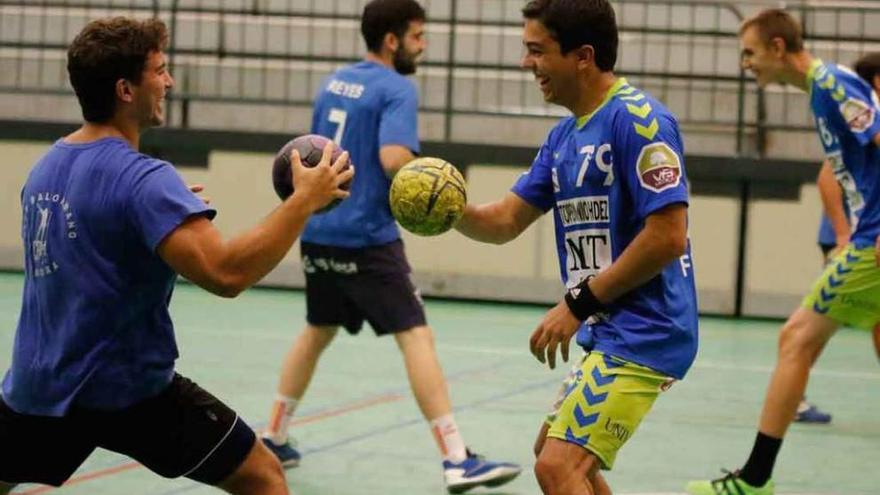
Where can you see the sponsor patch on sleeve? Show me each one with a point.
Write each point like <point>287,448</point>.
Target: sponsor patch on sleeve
<point>858,114</point>
<point>658,167</point>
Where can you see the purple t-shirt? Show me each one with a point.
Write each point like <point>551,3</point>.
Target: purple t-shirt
<point>94,329</point>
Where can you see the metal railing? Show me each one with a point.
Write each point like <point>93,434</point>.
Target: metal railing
<point>276,52</point>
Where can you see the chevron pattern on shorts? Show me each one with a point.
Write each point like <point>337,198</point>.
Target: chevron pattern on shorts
<point>594,393</point>
<point>829,289</point>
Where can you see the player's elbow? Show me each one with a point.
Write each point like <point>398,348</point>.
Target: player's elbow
<point>393,157</point>
<point>672,244</point>
<point>227,284</point>
<point>498,232</point>
<point>510,232</point>
<point>228,292</point>
<point>230,286</point>
<point>389,169</point>
<point>668,246</point>
<point>668,231</point>
<point>677,245</point>
<point>510,225</point>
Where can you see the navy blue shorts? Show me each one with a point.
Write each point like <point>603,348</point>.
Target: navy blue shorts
<point>182,432</point>
<point>345,287</point>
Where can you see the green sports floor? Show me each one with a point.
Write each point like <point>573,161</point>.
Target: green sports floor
<point>361,432</point>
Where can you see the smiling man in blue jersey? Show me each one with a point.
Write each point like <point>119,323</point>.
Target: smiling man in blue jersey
<point>613,176</point>
<point>353,257</point>
<point>834,228</point>
<point>847,293</point>
<point>106,230</point>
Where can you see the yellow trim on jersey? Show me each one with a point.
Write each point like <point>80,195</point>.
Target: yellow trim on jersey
<point>819,74</point>
<point>619,83</point>
<point>811,73</point>
<point>828,82</point>
<point>635,97</point>
<point>627,90</point>
<point>647,128</point>
<point>640,112</point>
<point>647,132</point>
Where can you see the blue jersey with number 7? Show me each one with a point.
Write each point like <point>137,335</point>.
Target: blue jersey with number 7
<point>363,107</point>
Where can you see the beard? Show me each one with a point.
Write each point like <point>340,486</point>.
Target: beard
<point>404,63</point>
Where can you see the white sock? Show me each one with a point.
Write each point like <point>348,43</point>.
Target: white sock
<point>279,421</point>
<point>448,438</point>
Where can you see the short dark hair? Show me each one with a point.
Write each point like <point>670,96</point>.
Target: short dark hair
<point>105,51</point>
<point>574,23</point>
<point>388,16</point>
<point>868,66</point>
<point>777,23</point>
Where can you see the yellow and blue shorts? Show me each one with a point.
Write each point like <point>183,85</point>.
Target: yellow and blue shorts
<point>848,291</point>
<point>602,403</point>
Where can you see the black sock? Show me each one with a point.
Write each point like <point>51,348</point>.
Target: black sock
<point>759,467</point>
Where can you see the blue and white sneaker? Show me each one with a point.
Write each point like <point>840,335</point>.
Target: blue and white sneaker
<point>477,471</point>
<point>285,453</point>
<point>810,414</point>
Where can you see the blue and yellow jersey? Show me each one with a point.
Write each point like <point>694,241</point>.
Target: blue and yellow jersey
<point>603,175</point>
<point>845,108</point>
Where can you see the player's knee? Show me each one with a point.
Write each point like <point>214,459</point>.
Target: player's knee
<point>550,473</point>
<point>273,476</point>
<point>797,342</point>
<point>540,440</point>
<point>422,337</point>
<point>877,340</point>
<point>319,338</point>
<point>539,444</point>
<point>269,476</point>
<point>260,474</point>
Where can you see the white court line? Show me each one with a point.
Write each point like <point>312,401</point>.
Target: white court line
<point>700,364</point>
<point>523,351</point>
<point>768,369</point>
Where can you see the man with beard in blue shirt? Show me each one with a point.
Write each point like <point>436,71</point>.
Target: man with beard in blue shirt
<point>354,260</point>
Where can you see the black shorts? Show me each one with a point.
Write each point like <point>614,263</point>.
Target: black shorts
<point>346,286</point>
<point>183,431</point>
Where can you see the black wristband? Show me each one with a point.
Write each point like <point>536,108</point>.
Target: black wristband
<point>582,302</point>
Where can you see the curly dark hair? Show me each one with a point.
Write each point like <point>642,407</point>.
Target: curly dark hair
<point>105,51</point>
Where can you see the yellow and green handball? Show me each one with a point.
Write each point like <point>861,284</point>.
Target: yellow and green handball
<point>428,196</point>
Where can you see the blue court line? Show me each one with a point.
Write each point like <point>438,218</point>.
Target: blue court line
<point>403,424</point>
<point>308,412</point>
